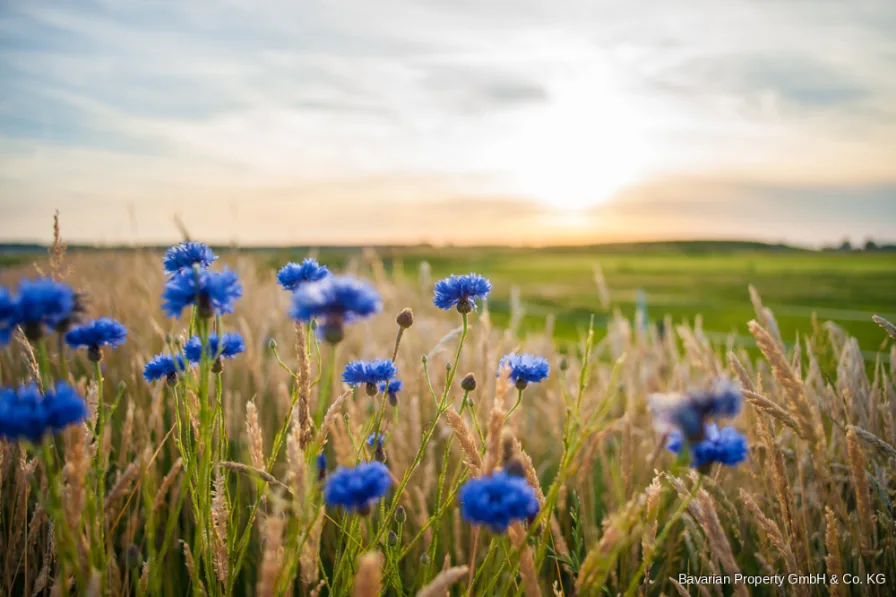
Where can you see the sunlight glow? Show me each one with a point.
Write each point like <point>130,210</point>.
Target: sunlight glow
<point>580,148</point>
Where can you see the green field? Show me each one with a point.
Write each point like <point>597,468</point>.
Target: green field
<point>681,280</point>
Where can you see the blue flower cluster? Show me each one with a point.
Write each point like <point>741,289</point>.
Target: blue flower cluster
<point>293,275</point>
<point>376,440</point>
<point>184,256</point>
<point>26,414</point>
<point>42,303</point>
<point>461,292</point>
<point>370,373</point>
<point>525,369</point>
<point>359,488</point>
<point>321,463</point>
<point>213,293</point>
<point>227,346</point>
<point>163,366</point>
<point>96,334</point>
<point>497,500</point>
<point>394,386</point>
<point>688,413</point>
<point>8,317</point>
<point>727,446</point>
<point>335,300</point>
<point>391,390</point>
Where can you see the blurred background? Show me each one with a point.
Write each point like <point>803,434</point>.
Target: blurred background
<point>684,149</point>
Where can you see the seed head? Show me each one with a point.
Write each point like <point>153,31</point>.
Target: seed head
<point>332,332</point>
<point>468,383</point>
<point>94,354</point>
<point>405,319</point>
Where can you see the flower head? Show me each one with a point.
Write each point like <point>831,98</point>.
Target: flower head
<point>525,368</point>
<point>96,334</point>
<point>358,488</point>
<point>321,463</point>
<point>727,446</point>
<point>461,292</point>
<point>376,440</point>
<point>43,302</point>
<point>497,500</point>
<point>27,414</point>
<point>391,389</point>
<point>184,256</point>
<point>294,275</point>
<point>688,413</point>
<point>370,373</point>
<point>163,366</point>
<point>335,300</point>
<point>722,399</point>
<point>212,292</point>
<point>8,315</point>
<point>227,346</point>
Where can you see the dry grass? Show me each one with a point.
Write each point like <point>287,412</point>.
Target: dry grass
<point>814,496</point>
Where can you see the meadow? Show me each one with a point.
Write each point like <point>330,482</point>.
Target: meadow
<point>683,280</point>
<point>213,479</point>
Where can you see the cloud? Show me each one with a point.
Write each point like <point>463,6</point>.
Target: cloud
<point>374,107</point>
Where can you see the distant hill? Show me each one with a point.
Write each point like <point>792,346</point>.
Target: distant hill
<point>684,247</point>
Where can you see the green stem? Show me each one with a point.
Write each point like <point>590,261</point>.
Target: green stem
<point>453,371</point>
<point>519,399</point>
<point>323,393</point>
<point>101,467</point>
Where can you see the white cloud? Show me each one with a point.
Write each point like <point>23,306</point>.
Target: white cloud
<point>566,102</point>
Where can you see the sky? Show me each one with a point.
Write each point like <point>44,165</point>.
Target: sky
<point>448,121</point>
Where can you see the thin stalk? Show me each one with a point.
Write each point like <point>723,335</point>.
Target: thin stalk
<point>101,467</point>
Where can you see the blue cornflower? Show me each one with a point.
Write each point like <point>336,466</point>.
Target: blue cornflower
<point>164,366</point>
<point>727,446</point>
<point>27,414</point>
<point>722,399</point>
<point>335,300</point>
<point>96,334</point>
<point>394,387</point>
<point>321,466</point>
<point>358,488</point>
<point>43,302</point>
<point>227,347</point>
<point>184,256</point>
<point>376,440</point>
<point>461,292</point>
<point>688,413</point>
<point>525,369</point>
<point>212,292</point>
<point>497,500</point>
<point>370,373</point>
<point>8,315</point>
<point>293,275</point>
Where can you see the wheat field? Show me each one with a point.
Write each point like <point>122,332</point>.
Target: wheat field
<point>618,513</point>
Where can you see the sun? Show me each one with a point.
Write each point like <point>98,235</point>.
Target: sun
<point>580,148</point>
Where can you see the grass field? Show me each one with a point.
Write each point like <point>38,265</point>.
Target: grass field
<point>681,280</point>
<point>207,482</point>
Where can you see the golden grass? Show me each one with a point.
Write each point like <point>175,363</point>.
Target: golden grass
<point>814,496</point>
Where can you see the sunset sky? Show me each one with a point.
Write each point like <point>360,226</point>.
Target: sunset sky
<point>450,121</point>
